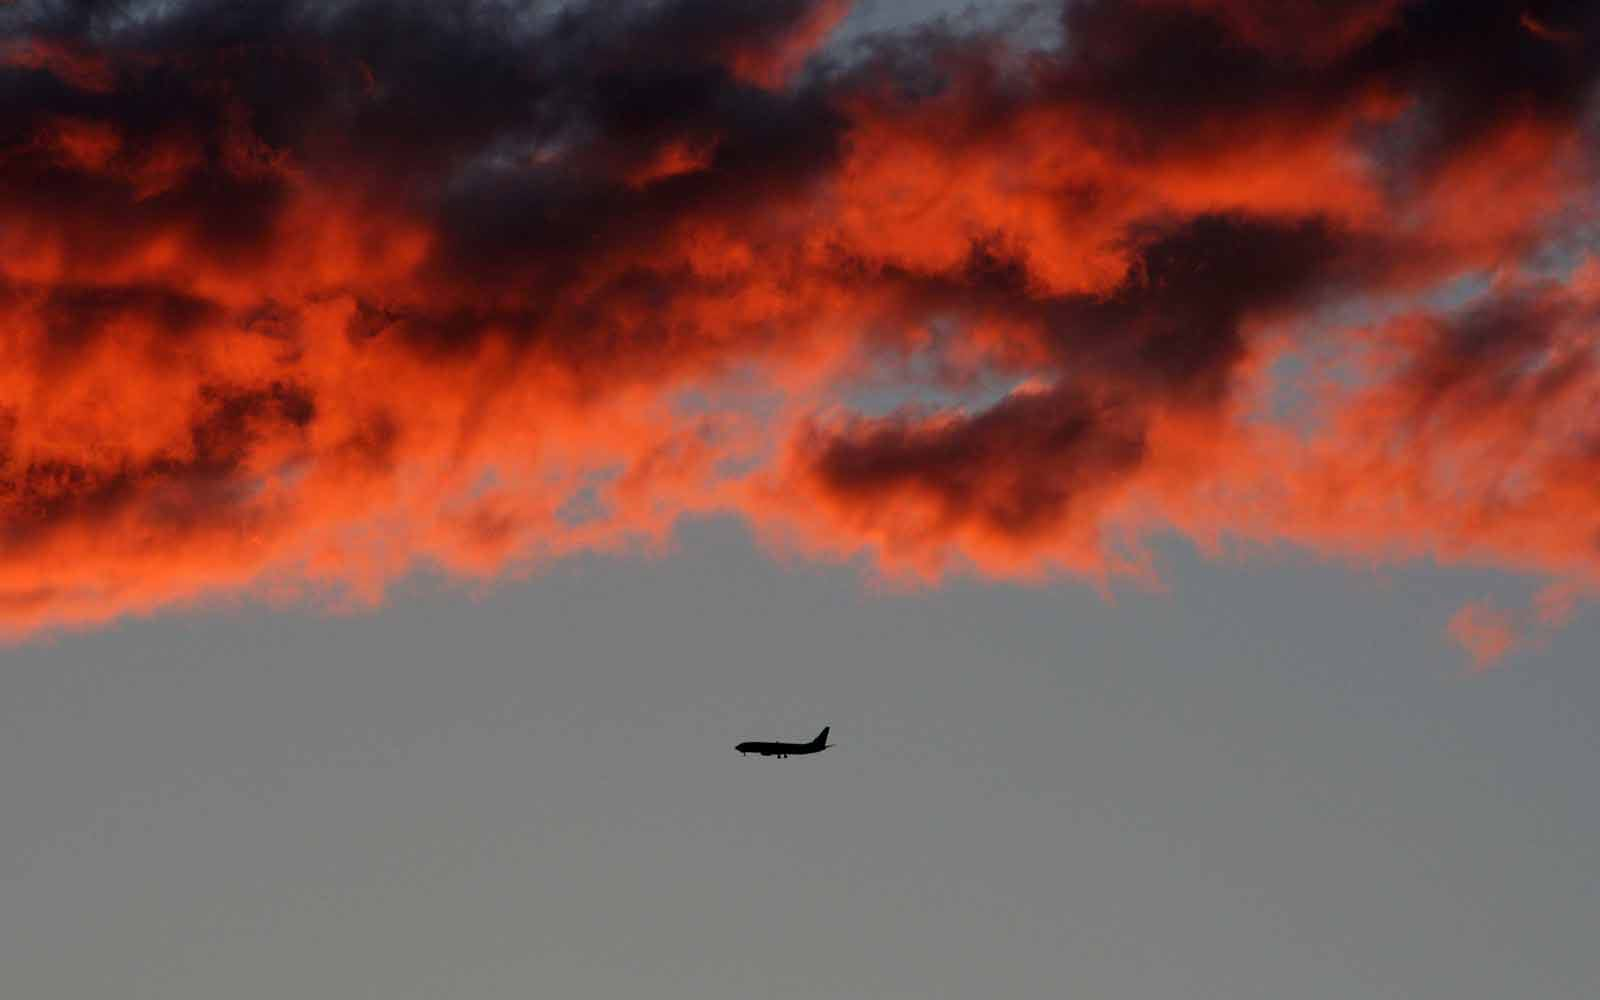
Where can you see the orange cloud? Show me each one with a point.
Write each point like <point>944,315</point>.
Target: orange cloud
<point>1485,632</point>
<point>769,58</point>
<point>305,310</point>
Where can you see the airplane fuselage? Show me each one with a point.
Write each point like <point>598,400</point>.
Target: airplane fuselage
<point>785,749</point>
<point>779,749</point>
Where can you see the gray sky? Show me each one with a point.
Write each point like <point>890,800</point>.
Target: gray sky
<point>1274,780</point>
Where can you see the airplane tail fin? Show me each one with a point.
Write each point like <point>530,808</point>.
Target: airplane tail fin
<point>822,738</point>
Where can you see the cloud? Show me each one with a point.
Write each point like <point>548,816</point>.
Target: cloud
<point>299,296</point>
<point>1485,632</point>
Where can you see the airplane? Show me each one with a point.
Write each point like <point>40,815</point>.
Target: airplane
<point>785,749</point>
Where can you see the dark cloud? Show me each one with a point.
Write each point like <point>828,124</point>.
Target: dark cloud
<point>1017,469</point>
<point>319,290</point>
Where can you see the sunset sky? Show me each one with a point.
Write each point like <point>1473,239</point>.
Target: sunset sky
<point>1160,437</point>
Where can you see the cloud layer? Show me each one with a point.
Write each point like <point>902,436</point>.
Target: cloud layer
<point>304,295</point>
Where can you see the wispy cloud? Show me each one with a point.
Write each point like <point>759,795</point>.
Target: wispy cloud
<point>1486,632</point>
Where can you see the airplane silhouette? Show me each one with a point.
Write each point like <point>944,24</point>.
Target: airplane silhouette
<point>785,749</point>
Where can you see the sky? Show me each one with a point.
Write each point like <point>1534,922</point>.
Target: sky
<point>1158,437</point>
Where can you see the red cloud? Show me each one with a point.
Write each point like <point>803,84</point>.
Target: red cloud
<point>1486,633</point>
<point>306,308</point>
